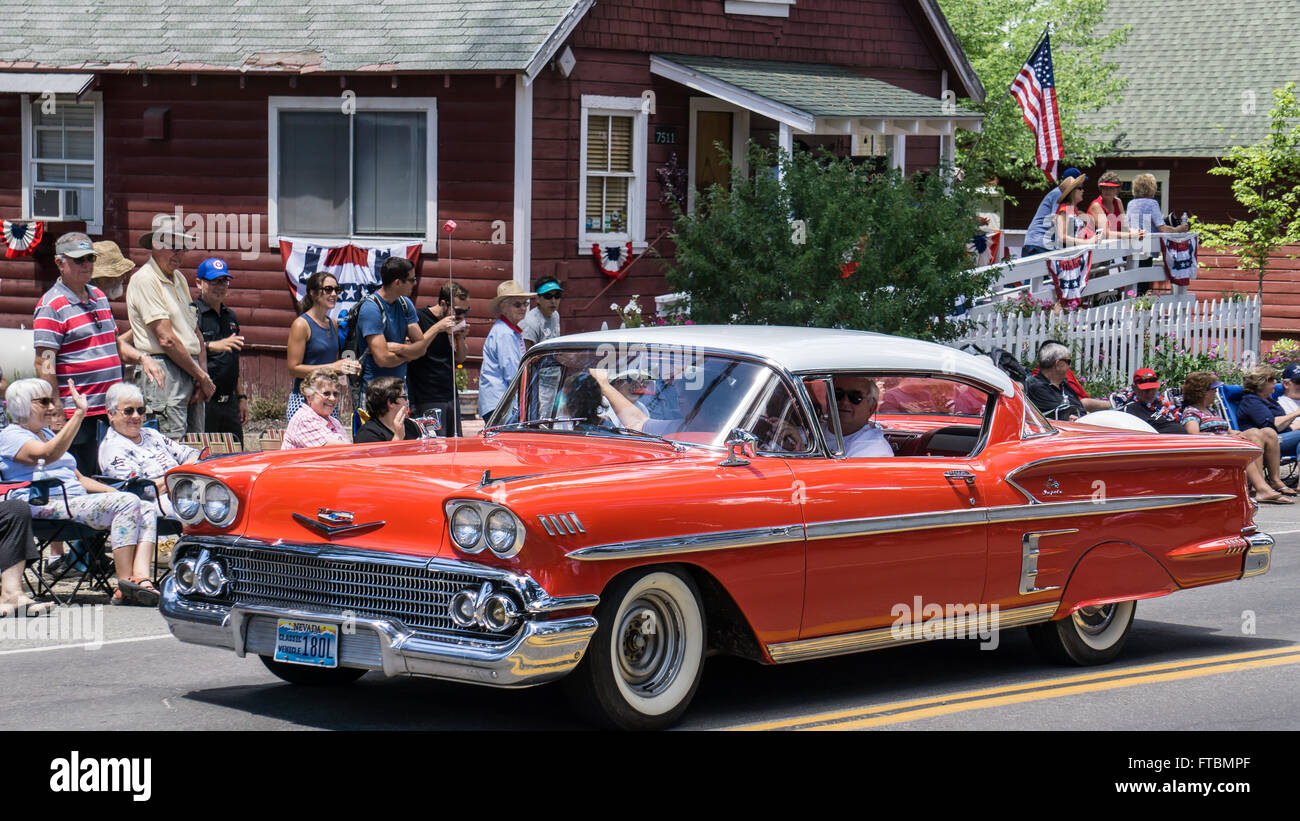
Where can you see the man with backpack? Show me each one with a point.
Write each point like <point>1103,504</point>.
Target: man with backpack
<point>387,333</point>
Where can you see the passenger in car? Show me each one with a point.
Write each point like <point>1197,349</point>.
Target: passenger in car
<point>856,398</point>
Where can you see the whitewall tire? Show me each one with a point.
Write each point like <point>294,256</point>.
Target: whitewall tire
<point>1089,635</point>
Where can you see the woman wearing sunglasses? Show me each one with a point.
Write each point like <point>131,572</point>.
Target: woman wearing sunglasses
<point>29,447</point>
<point>132,451</point>
<point>314,337</point>
<point>314,424</point>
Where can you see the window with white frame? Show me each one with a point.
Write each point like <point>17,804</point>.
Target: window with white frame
<point>612,159</point>
<point>63,160</point>
<point>368,172</point>
<point>759,8</point>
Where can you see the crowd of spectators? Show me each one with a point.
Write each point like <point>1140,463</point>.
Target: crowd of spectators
<point>1061,222</point>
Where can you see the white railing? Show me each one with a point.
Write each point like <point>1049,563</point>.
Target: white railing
<point>1111,339</point>
<point>1114,267</point>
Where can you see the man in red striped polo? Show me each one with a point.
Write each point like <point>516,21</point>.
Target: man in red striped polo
<point>75,338</point>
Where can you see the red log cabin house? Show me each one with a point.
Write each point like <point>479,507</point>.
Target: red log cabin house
<point>540,126</point>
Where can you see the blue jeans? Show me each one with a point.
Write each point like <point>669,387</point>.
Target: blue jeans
<point>1288,441</point>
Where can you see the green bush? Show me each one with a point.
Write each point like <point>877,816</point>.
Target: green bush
<point>267,407</point>
<point>830,244</point>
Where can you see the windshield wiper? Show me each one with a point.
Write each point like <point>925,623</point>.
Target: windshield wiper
<point>677,446</point>
<point>532,423</point>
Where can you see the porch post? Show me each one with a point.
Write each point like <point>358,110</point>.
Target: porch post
<point>522,235</point>
<point>785,139</point>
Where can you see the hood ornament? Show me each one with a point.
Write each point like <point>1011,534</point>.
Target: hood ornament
<point>333,522</point>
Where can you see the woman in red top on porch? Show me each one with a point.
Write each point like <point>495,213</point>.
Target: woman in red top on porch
<point>1107,211</point>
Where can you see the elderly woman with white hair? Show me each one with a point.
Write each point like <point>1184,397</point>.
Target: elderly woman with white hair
<point>312,425</point>
<point>29,447</point>
<point>132,451</point>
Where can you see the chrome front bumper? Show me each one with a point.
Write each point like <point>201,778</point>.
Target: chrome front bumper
<point>1259,552</point>
<point>541,651</point>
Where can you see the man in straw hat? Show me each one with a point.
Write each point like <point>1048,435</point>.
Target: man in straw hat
<point>75,338</point>
<point>503,349</point>
<point>1042,230</point>
<point>165,325</point>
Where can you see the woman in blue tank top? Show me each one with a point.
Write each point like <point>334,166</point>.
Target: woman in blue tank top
<point>314,337</point>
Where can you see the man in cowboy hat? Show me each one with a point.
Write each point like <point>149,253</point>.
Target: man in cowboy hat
<point>1040,233</point>
<point>503,349</point>
<point>165,325</point>
<point>111,268</point>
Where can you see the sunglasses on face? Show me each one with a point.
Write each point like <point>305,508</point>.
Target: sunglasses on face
<point>222,281</point>
<point>461,311</point>
<point>515,304</point>
<point>45,400</point>
<point>411,279</point>
<point>131,411</point>
<point>855,397</point>
<point>329,289</point>
<point>552,295</point>
<point>329,394</point>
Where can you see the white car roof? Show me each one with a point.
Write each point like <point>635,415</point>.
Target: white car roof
<point>808,350</point>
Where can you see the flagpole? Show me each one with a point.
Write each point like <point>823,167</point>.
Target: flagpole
<point>1006,95</point>
<point>450,226</point>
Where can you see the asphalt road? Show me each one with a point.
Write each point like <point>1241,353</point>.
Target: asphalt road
<point>1218,658</point>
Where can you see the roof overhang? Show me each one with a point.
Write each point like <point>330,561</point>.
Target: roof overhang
<point>957,55</point>
<point>928,118</point>
<point>31,83</point>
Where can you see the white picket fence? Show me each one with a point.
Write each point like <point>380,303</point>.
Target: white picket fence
<point>1109,339</point>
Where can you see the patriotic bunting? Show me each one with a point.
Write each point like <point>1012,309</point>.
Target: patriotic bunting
<point>22,238</point>
<point>1070,275</point>
<point>1179,257</point>
<point>356,267</point>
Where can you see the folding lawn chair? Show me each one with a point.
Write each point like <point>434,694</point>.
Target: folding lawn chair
<point>92,543</point>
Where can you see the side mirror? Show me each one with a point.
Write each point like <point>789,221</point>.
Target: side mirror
<point>742,444</point>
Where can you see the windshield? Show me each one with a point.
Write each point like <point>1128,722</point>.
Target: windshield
<point>640,391</point>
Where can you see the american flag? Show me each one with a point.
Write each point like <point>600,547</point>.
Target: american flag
<point>1035,91</point>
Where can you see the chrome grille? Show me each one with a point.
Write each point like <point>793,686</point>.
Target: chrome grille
<point>413,595</point>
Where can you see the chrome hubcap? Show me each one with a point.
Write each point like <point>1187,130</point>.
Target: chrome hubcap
<point>1094,620</point>
<point>650,646</point>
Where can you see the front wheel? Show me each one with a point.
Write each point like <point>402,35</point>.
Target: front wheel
<point>312,676</point>
<point>646,656</point>
<point>1089,635</point>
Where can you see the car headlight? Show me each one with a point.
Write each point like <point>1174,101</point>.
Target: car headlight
<point>218,503</point>
<point>211,578</point>
<point>185,498</point>
<point>184,575</point>
<point>467,528</point>
<point>502,533</point>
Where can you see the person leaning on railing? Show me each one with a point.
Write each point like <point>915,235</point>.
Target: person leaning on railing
<point>28,447</point>
<point>1041,233</point>
<point>1144,211</point>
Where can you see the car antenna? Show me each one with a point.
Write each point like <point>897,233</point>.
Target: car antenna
<point>487,478</point>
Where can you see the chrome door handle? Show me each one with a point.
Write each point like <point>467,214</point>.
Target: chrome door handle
<point>964,475</point>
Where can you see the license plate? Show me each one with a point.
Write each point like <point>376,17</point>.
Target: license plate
<point>307,642</point>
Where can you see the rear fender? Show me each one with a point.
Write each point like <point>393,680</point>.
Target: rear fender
<point>1114,572</point>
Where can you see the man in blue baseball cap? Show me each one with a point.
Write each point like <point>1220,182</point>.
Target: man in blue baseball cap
<point>227,410</point>
<point>1040,234</point>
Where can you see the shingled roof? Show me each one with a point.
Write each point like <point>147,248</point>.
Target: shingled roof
<point>297,36</point>
<point>1201,73</point>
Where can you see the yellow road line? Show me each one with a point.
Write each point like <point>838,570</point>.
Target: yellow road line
<point>1032,691</point>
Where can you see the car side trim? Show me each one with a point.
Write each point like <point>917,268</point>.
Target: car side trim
<point>755,537</point>
<point>691,543</point>
<point>964,624</point>
<point>1034,500</point>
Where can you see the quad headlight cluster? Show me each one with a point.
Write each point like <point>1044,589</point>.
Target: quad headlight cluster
<point>202,574</point>
<point>200,498</point>
<point>483,607</point>
<point>478,525</point>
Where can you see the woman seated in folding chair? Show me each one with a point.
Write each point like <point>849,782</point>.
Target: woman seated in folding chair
<point>132,451</point>
<point>28,446</point>
<point>17,548</point>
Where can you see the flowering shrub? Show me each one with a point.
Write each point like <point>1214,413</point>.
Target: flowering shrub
<point>629,314</point>
<point>1284,352</point>
<point>1141,303</point>
<point>1172,361</point>
<point>1024,305</point>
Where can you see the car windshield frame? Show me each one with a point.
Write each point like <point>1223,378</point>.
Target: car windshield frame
<point>742,410</point>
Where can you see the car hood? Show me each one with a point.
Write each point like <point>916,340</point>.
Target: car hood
<point>398,489</point>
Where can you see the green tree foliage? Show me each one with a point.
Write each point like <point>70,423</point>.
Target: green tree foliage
<point>771,252</point>
<point>1266,181</point>
<point>998,36</point>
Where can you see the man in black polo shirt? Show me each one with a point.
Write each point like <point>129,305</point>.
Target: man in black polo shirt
<point>1050,391</point>
<point>227,411</point>
<point>431,379</point>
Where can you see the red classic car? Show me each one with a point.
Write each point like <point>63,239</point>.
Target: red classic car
<point>645,497</point>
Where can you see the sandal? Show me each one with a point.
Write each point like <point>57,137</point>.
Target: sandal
<point>1276,499</point>
<point>1283,490</point>
<point>141,590</point>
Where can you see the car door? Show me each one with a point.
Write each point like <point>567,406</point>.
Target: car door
<point>888,537</point>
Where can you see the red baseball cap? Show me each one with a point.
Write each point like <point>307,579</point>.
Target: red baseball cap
<point>1145,378</point>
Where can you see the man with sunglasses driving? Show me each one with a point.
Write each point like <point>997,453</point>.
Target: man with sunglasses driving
<point>856,399</point>
<point>431,379</point>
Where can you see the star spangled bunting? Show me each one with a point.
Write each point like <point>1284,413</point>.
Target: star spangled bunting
<point>1035,90</point>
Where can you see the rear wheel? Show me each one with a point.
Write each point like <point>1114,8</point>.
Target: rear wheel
<point>312,676</point>
<point>1089,635</point>
<point>646,656</point>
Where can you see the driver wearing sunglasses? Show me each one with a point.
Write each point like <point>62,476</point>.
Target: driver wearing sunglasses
<point>856,399</point>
